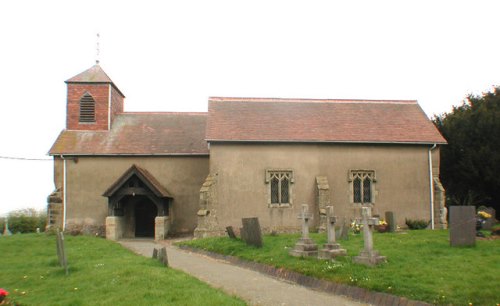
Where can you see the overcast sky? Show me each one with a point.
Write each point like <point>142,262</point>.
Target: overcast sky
<point>167,56</point>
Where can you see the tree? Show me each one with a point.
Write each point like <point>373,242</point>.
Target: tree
<point>470,163</point>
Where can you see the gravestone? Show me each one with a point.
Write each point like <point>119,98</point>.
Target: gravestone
<point>305,246</point>
<point>331,249</point>
<point>230,232</point>
<point>155,253</point>
<point>344,230</point>
<point>162,256</point>
<point>251,232</point>
<point>390,218</point>
<point>61,251</point>
<point>368,256</point>
<point>462,226</point>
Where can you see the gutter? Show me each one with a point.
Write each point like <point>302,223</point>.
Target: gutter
<point>431,185</point>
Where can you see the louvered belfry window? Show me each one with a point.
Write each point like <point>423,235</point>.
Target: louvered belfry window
<point>87,109</point>
<point>279,186</point>
<point>362,184</point>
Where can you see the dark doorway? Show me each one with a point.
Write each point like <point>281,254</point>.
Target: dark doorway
<point>145,214</point>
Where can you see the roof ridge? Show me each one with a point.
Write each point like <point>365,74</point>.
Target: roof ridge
<point>309,100</point>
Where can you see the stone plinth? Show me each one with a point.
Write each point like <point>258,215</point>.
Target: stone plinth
<point>305,247</point>
<point>369,258</point>
<point>331,250</point>
<point>115,227</point>
<point>162,226</point>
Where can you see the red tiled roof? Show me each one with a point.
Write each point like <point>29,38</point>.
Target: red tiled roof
<point>94,74</point>
<point>139,134</point>
<point>315,120</point>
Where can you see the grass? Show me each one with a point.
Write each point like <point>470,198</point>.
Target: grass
<point>101,273</point>
<point>421,265</point>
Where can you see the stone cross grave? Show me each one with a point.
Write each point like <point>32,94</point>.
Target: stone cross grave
<point>305,246</point>
<point>368,256</point>
<point>331,249</point>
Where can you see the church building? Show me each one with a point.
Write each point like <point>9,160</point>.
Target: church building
<point>153,174</point>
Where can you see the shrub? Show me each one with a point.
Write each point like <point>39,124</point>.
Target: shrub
<point>26,221</point>
<point>495,230</point>
<point>416,224</point>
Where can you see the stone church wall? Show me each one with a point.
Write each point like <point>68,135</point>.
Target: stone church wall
<point>88,178</point>
<point>401,172</point>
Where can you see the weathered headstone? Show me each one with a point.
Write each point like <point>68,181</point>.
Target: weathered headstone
<point>155,253</point>
<point>462,226</point>
<point>305,246</point>
<point>331,249</point>
<point>61,251</point>
<point>162,256</point>
<point>230,232</point>
<point>390,218</point>
<point>344,230</point>
<point>368,256</point>
<point>251,233</point>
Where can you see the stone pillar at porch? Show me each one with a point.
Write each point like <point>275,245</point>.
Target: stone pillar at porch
<point>115,227</point>
<point>162,226</point>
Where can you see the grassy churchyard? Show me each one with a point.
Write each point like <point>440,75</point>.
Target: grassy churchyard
<point>421,265</point>
<point>101,272</point>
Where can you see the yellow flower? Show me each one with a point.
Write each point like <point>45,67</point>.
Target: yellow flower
<point>484,215</point>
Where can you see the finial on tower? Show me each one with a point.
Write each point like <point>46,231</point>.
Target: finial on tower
<point>97,50</point>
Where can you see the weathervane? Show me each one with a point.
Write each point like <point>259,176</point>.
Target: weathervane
<point>97,50</point>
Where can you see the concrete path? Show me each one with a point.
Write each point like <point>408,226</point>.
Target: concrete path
<point>253,287</point>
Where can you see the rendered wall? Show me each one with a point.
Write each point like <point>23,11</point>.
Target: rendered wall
<point>402,174</point>
<point>88,178</point>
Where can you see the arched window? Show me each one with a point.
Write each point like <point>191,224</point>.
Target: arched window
<point>362,186</point>
<point>87,109</point>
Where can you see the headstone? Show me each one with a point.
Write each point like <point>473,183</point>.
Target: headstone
<point>6,231</point>
<point>344,230</point>
<point>230,232</point>
<point>61,251</point>
<point>162,256</point>
<point>462,226</point>
<point>252,233</point>
<point>155,253</point>
<point>368,256</point>
<point>390,218</point>
<point>305,246</point>
<point>331,249</point>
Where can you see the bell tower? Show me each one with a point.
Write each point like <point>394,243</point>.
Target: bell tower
<point>93,101</point>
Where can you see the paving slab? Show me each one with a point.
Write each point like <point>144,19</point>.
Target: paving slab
<point>253,287</point>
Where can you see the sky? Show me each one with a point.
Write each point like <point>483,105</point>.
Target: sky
<point>173,55</point>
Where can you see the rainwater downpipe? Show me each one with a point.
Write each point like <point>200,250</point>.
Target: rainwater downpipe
<point>431,185</point>
<point>64,192</point>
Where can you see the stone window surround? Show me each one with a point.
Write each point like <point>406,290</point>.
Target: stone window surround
<point>268,175</point>
<point>350,179</point>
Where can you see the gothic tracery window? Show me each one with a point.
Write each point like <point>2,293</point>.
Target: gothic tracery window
<point>279,189</point>
<point>362,186</point>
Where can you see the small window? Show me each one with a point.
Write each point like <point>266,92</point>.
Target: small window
<point>279,190</point>
<point>87,109</point>
<point>362,186</point>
